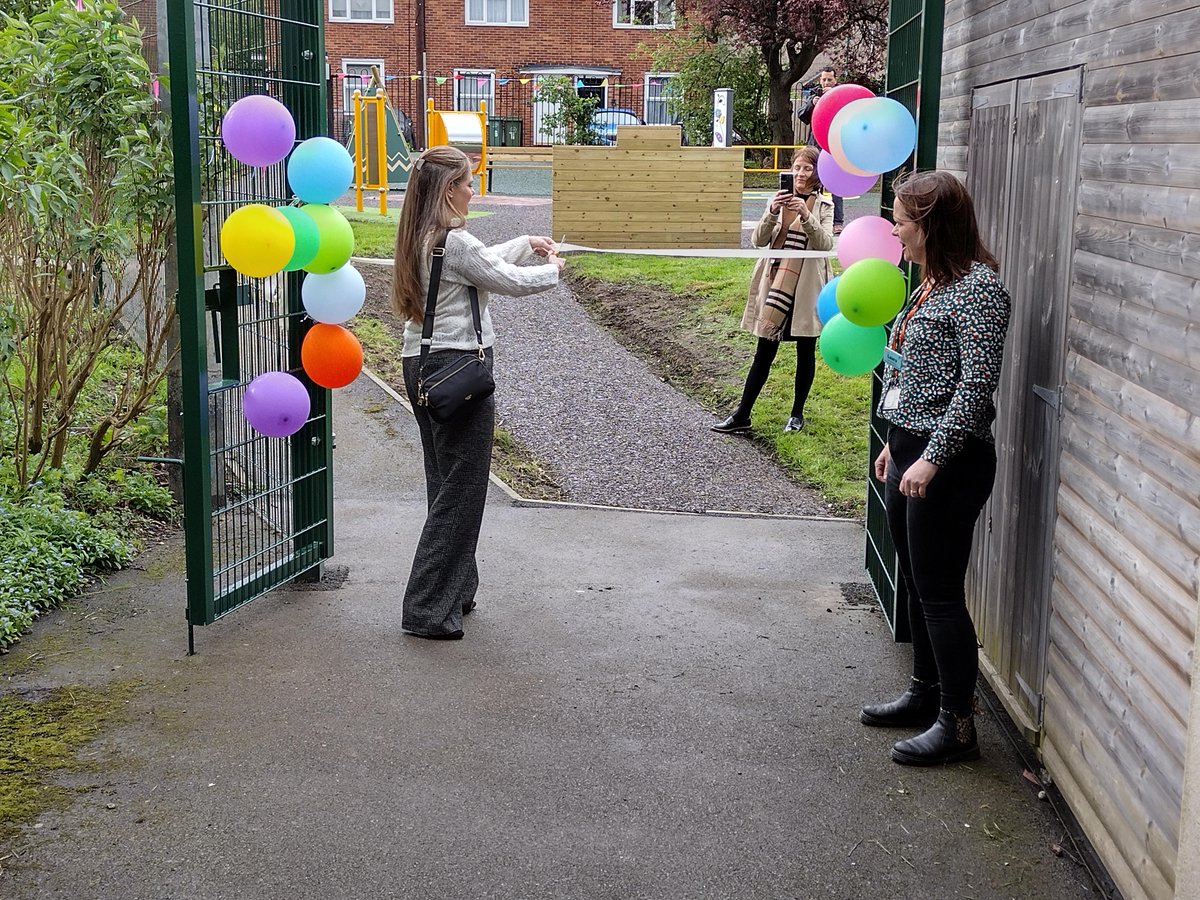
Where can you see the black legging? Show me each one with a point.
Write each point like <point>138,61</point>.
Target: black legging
<point>932,535</point>
<point>764,355</point>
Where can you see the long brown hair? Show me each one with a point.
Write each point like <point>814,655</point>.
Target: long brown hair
<point>425,217</point>
<point>938,203</point>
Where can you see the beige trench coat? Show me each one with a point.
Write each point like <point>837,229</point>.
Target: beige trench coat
<point>814,273</point>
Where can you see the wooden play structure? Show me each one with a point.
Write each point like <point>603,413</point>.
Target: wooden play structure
<point>382,159</point>
<point>647,191</point>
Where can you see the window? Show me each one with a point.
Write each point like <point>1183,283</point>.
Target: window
<point>360,10</point>
<point>472,87</point>
<point>497,12</point>
<point>356,76</point>
<point>659,95</point>
<point>644,14</point>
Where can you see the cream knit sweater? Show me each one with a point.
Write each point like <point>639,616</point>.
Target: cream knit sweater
<point>468,261</point>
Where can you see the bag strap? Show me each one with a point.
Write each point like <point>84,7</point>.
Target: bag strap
<point>435,278</point>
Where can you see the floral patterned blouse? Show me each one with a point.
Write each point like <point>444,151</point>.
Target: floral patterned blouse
<point>953,345</point>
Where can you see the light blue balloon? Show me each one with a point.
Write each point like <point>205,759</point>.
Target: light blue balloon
<point>827,306</point>
<point>879,136</point>
<point>334,297</point>
<point>320,170</point>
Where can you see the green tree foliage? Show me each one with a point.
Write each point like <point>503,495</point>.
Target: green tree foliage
<point>568,118</point>
<point>85,219</point>
<point>706,62</point>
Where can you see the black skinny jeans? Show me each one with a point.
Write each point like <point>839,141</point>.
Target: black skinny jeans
<point>932,535</point>
<point>764,356</point>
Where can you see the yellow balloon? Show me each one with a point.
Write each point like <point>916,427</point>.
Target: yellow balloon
<point>257,240</point>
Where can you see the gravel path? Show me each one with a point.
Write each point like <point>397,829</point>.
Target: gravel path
<point>613,431</point>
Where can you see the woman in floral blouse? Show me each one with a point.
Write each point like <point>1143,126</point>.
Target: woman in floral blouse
<point>941,369</point>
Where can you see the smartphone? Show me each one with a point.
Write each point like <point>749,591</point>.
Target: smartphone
<point>787,182</point>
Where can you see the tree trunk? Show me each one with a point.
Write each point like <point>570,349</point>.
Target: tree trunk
<point>785,66</point>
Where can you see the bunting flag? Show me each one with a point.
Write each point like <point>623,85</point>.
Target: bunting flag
<point>484,80</point>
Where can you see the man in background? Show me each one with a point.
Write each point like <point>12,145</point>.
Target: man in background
<point>826,80</point>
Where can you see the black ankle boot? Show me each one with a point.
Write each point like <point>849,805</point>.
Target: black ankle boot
<point>951,739</point>
<point>917,706</point>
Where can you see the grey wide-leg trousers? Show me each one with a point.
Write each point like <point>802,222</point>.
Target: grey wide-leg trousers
<point>458,456</point>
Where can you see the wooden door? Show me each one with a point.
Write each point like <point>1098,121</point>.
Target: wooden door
<point>1029,217</point>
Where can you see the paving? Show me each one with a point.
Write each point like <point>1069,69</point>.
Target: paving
<point>646,705</point>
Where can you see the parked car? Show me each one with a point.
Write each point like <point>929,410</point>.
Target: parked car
<point>606,119</point>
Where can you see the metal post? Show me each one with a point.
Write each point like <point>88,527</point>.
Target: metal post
<point>189,306</point>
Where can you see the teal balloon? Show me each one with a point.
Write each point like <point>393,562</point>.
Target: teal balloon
<point>335,239</point>
<point>871,292</point>
<point>827,306</point>
<point>307,237</point>
<point>879,136</point>
<point>850,349</point>
<point>320,170</point>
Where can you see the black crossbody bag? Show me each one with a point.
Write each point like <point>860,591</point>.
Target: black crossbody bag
<point>446,392</point>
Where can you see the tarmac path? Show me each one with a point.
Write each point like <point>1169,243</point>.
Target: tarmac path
<point>646,705</point>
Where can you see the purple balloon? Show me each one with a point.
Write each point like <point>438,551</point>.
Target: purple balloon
<point>838,181</point>
<point>276,404</point>
<point>258,130</point>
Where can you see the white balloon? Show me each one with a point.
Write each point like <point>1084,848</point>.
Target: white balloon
<point>335,297</point>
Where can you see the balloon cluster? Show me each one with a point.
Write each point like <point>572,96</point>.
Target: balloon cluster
<point>259,241</point>
<point>862,136</point>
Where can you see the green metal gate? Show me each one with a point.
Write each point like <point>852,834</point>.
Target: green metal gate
<point>257,509</point>
<point>914,78</point>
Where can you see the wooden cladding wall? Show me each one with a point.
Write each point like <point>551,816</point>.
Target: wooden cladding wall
<point>1126,575</point>
<point>648,191</point>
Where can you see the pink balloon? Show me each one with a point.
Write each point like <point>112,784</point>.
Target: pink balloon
<point>868,237</point>
<point>830,104</point>
<point>838,181</point>
<point>835,139</point>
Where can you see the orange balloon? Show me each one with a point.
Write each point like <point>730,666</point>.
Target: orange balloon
<point>332,357</point>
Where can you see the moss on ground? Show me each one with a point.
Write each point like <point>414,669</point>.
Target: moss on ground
<point>41,738</point>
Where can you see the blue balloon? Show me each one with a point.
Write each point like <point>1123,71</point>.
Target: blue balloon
<point>320,170</point>
<point>879,136</point>
<point>827,306</point>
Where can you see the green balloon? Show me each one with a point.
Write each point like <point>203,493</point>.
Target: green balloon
<point>850,349</point>
<point>336,241</point>
<point>871,292</point>
<point>307,237</point>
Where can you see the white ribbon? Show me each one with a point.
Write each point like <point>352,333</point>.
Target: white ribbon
<point>711,252</point>
<point>730,253</point>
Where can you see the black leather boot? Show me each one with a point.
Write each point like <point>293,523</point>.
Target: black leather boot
<point>917,706</point>
<point>951,739</point>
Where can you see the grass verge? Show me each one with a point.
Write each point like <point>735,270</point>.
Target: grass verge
<point>701,313</point>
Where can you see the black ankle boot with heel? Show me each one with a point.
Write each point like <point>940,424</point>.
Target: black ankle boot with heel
<point>951,739</point>
<point>918,705</point>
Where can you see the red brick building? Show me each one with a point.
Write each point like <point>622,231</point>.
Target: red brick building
<point>459,52</point>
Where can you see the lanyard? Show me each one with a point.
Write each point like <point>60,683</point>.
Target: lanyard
<point>898,334</point>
